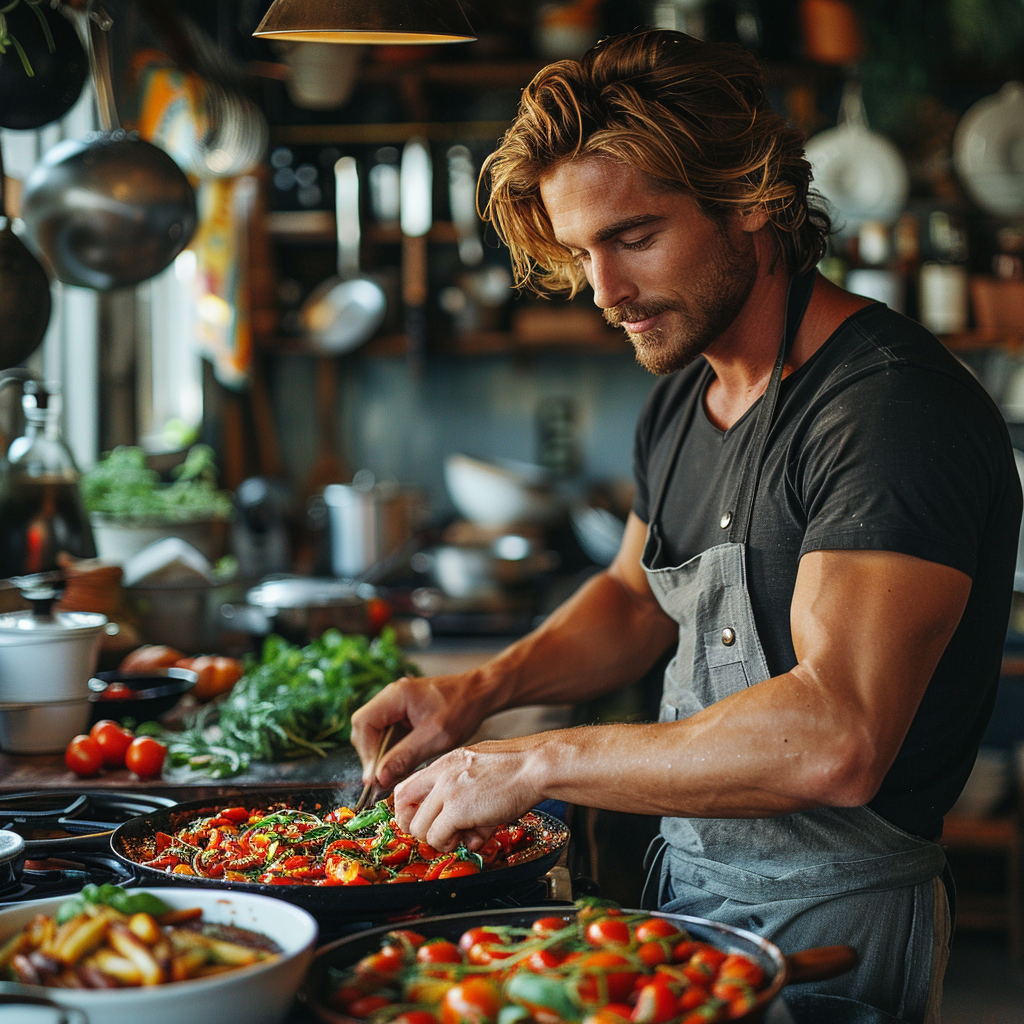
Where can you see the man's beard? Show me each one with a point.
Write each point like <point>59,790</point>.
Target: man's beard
<point>714,299</point>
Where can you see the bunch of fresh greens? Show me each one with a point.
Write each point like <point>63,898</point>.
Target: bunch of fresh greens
<point>121,485</point>
<point>111,896</point>
<point>293,702</point>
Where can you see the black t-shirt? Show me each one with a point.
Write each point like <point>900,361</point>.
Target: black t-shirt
<point>881,441</point>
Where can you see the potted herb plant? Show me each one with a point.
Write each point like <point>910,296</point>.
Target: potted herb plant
<point>130,506</point>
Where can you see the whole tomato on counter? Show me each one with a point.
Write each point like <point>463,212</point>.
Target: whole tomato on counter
<point>113,742</point>
<point>150,658</point>
<point>83,756</point>
<point>109,745</point>
<point>217,674</point>
<point>145,757</point>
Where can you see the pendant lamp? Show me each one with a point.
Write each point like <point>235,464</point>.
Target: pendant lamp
<point>367,21</point>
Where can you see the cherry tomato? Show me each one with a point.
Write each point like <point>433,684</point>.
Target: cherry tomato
<point>378,613</point>
<point>694,996</point>
<point>655,1004</point>
<point>83,756</point>
<point>145,757</point>
<point>364,1006</point>
<point>613,1013</point>
<point>474,935</point>
<point>117,691</point>
<point>112,740</point>
<point>473,1001</point>
<point>653,953</point>
<point>606,931</point>
<point>481,954</point>
<point>458,868</point>
<point>548,925</point>
<point>382,965</point>
<point>656,928</point>
<point>606,971</point>
<point>704,964</point>
<point>439,953</point>
<point>737,966</point>
<point>402,939</point>
<point>541,960</point>
<point>415,1017</point>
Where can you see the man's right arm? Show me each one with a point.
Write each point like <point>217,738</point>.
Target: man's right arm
<point>605,636</point>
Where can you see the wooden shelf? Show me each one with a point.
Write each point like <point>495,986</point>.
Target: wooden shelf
<point>383,134</point>
<point>966,341</point>
<point>318,226</point>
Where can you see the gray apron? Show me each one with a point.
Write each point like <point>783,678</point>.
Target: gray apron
<point>814,878</point>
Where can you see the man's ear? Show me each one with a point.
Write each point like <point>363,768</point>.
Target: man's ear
<point>753,220</point>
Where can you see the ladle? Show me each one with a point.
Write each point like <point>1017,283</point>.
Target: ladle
<point>344,311</point>
<point>110,210</point>
<point>24,292</point>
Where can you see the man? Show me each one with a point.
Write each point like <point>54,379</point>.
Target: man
<point>825,527</point>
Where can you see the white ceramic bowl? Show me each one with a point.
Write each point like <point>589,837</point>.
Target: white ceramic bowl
<point>492,495</point>
<point>261,994</point>
<point>45,728</point>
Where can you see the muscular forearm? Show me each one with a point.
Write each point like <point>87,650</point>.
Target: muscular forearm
<point>604,637</point>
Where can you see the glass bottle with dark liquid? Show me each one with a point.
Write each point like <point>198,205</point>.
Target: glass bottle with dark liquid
<point>41,511</point>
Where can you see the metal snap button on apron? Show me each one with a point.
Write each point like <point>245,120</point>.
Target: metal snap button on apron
<point>728,637</point>
<point>726,520</point>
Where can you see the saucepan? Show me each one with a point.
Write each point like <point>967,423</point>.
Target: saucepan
<point>780,969</point>
<point>110,210</point>
<point>134,842</point>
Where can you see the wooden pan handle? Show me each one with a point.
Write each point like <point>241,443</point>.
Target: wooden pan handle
<point>820,963</point>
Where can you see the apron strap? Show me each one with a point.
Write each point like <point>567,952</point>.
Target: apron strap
<point>800,289</point>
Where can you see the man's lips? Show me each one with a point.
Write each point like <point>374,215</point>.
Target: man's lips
<point>639,326</point>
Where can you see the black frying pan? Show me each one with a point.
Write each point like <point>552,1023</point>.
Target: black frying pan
<point>135,842</point>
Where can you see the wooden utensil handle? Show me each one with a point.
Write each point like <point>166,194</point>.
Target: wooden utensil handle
<point>820,963</point>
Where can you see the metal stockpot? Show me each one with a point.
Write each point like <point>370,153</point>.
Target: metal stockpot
<point>369,521</point>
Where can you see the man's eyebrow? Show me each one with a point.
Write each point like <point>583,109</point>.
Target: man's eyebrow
<point>625,225</point>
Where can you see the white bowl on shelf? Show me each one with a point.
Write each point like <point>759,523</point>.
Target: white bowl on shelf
<point>490,494</point>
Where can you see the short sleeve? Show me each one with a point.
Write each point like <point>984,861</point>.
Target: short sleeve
<point>890,464</point>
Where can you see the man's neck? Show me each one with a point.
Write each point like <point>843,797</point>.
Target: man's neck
<point>743,356</point>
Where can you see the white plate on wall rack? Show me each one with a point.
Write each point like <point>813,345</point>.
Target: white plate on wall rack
<point>988,151</point>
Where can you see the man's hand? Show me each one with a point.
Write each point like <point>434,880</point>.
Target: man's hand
<point>435,713</point>
<point>465,795</point>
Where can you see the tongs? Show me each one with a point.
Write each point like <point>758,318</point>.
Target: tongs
<point>371,791</point>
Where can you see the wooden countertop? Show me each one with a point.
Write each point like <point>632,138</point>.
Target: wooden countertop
<point>26,772</point>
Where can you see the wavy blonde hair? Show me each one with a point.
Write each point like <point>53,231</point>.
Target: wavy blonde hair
<point>690,114</point>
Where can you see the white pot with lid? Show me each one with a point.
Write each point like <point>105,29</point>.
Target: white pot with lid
<point>47,656</point>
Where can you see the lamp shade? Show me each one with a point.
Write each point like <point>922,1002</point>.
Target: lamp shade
<point>367,21</point>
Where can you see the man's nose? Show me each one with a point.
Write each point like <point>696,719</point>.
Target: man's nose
<point>611,287</point>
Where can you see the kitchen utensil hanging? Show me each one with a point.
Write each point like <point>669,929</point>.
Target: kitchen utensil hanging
<point>24,292</point>
<point>859,172</point>
<point>107,211</point>
<point>344,311</point>
<point>58,74</point>
<point>416,215</point>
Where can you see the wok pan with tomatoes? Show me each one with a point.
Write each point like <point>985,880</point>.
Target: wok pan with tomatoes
<point>593,964</point>
<point>305,847</point>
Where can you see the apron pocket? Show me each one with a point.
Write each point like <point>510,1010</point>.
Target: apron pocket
<point>726,664</point>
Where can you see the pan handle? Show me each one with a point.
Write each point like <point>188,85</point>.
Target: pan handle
<point>819,963</point>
